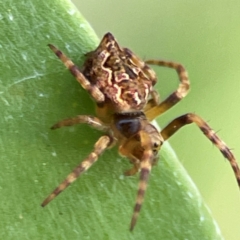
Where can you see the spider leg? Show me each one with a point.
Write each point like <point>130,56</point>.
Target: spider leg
<point>99,148</point>
<point>183,120</point>
<point>145,168</point>
<point>90,120</point>
<point>154,101</point>
<point>93,90</point>
<point>176,96</point>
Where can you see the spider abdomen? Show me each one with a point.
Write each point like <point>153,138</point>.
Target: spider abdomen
<point>122,77</point>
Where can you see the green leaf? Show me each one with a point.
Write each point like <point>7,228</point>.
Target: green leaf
<point>35,92</point>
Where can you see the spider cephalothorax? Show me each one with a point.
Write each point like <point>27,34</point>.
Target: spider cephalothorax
<point>121,84</point>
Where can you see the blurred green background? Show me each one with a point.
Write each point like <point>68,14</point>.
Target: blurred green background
<point>205,37</point>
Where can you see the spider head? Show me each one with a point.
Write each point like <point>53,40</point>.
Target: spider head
<point>136,135</point>
<point>151,136</point>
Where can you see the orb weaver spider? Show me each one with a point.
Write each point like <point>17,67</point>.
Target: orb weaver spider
<point>126,103</point>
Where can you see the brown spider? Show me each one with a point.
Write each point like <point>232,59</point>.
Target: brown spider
<point>126,103</point>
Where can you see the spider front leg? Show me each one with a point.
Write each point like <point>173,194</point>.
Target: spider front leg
<point>93,90</point>
<point>99,148</point>
<point>145,161</point>
<point>90,120</point>
<point>145,168</point>
<point>181,121</point>
<point>176,96</point>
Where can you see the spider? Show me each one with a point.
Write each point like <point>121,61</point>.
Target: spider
<point>126,103</point>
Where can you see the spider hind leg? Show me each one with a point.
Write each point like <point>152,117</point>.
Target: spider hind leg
<point>176,96</point>
<point>97,95</point>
